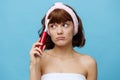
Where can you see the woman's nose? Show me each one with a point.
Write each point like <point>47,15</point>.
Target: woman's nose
<point>59,30</point>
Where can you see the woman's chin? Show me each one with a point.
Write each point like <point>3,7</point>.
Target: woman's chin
<point>61,44</point>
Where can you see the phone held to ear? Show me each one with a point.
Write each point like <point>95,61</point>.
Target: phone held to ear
<point>42,39</point>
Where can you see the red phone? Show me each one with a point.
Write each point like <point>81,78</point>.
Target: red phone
<point>42,39</point>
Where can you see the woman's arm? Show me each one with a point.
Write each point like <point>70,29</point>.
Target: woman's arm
<point>92,69</point>
<point>35,62</point>
<point>35,73</point>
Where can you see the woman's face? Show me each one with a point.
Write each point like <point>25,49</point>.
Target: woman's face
<point>61,34</point>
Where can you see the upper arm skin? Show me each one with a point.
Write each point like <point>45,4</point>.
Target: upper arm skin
<point>91,69</point>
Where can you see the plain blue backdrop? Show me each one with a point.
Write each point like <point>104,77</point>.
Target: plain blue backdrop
<point>20,21</point>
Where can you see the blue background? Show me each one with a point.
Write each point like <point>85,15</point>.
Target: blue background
<point>20,21</point>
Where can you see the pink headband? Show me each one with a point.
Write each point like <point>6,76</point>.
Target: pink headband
<point>60,5</point>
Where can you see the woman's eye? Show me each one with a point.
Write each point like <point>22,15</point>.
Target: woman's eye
<point>65,25</point>
<point>53,26</point>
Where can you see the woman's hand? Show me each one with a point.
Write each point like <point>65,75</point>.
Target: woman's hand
<point>36,54</point>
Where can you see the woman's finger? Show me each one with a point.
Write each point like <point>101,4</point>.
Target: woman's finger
<point>44,47</point>
<point>36,44</point>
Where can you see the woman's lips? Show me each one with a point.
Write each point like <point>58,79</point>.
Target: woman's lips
<point>60,38</point>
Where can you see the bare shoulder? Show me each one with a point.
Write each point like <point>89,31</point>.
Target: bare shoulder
<point>89,65</point>
<point>87,60</point>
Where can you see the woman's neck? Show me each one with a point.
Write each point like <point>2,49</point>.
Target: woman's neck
<point>63,51</point>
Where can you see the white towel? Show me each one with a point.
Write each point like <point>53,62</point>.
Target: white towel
<point>63,76</point>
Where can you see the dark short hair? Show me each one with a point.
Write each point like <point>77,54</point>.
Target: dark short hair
<point>61,16</point>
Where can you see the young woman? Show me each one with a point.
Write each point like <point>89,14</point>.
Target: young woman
<point>58,60</point>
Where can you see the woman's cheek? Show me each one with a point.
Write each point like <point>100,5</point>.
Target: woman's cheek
<point>52,35</point>
<point>69,33</point>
